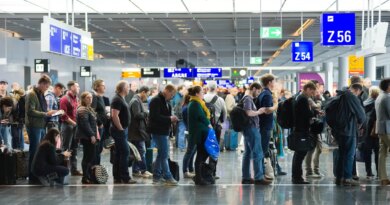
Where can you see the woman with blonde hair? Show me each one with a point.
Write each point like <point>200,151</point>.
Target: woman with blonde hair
<point>87,133</point>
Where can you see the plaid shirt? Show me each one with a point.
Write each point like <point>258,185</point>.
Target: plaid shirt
<point>52,104</point>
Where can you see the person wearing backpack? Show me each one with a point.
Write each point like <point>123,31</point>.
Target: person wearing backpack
<point>344,114</point>
<point>382,107</point>
<point>217,110</point>
<point>267,101</point>
<point>252,139</point>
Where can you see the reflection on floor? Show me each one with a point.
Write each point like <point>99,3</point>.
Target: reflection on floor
<point>228,189</point>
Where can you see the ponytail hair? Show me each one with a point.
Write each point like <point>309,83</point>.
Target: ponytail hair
<point>194,90</point>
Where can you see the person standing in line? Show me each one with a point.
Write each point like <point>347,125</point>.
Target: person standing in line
<point>69,103</point>
<point>87,134</point>
<point>36,115</point>
<point>132,91</point>
<point>120,116</point>
<point>303,115</point>
<point>137,130</point>
<point>252,139</point>
<point>99,88</point>
<point>382,107</point>
<point>52,100</point>
<point>180,128</point>
<point>188,159</point>
<point>160,120</point>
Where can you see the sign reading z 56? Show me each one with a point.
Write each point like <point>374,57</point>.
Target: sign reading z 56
<point>338,29</point>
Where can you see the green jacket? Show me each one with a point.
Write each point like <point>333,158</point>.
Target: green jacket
<point>197,123</point>
<point>35,116</point>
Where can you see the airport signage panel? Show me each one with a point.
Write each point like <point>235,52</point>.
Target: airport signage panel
<point>256,60</point>
<point>58,37</point>
<point>85,71</point>
<point>178,73</point>
<point>271,32</point>
<point>239,73</point>
<point>338,29</point>
<point>355,65</point>
<point>41,65</point>
<point>150,73</point>
<point>131,73</point>
<point>302,51</point>
<point>207,72</point>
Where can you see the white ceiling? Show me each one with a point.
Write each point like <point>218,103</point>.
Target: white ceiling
<point>181,6</point>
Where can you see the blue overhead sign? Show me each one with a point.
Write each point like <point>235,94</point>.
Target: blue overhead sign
<point>55,39</point>
<point>207,72</point>
<point>338,29</point>
<point>302,51</point>
<point>66,42</point>
<point>177,73</point>
<point>76,45</point>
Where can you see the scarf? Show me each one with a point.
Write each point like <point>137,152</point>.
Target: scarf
<point>202,104</point>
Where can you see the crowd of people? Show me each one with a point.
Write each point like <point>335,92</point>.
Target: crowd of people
<point>58,119</point>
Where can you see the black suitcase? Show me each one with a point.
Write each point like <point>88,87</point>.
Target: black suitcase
<point>7,168</point>
<point>21,164</point>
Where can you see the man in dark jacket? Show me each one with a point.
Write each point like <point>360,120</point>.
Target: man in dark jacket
<point>160,122</point>
<point>137,131</point>
<point>346,139</point>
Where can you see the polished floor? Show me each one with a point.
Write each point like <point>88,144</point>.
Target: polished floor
<point>227,191</point>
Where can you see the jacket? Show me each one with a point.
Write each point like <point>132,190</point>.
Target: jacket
<point>45,156</point>
<point>382,107</point>
<point>369,108</point>
<point>137,129</point>
<point>302,114</point>
<point>35,113</point>
<point>357,116</point>
<point>86,124</point>
<point>197,123</point>
<point>160,115</point>
<point>100,108</point>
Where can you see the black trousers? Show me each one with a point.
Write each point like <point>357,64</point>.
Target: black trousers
<point>297,165</point>
<point>89,157</point>
<point>201,157</point>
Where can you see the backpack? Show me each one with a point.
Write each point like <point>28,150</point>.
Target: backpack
<point>211,107</point>
<point>285,114</point>
<point>337,112</point>
<point>238,117</point>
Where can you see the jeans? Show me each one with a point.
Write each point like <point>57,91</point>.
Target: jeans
<point>188,159</point>
<point>35,136</point>
<point>5,136</point>
<point>99,146</point>
<point>347,146</point>
<point>17,136</point>
<point>122,154</point>
<point>60,170</point>
<point>161,168</point>
<point>89,157</point>
<point>313,158</point>
<point>68,133</point>
<point>383,151</point>
<point>252,142</point>
<point>297,165</point>
<point>180,135</point>
<point>265,137</point>
<point>140,166</point>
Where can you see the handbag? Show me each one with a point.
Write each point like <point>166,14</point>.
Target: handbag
<point>109,142</point>
<point>211,144</point>
<point>300,141</point>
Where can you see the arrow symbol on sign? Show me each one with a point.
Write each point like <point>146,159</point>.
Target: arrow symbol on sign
<point>277,32</point>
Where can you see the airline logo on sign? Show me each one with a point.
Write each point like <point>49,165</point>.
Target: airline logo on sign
<point>271,32</point>
<point>356,65</point>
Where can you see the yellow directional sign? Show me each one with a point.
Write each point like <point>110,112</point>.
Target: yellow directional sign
<point>356,65</point>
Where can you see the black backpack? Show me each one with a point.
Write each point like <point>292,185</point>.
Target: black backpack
<point>337,112</point>
<point>211,107</point>
<point>285,113</point>
<point>238,117</point>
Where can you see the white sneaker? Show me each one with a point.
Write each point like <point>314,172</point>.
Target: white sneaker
<point>145,175</point>
<point>269,171</point>
<point>148,173</point>
<point>189,175</point>
<point>171,182</point>
<point>137,174</point>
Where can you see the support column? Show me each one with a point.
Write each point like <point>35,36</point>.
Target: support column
<point>288,82</point>
<point>387,71</point>
<point>343,72</point>
<point>328,67</point>
<point>317,68</point>
<point>370,67</point>
<point>294,84</point>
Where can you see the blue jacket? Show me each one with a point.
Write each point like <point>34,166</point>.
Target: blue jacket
<point>265,100</point>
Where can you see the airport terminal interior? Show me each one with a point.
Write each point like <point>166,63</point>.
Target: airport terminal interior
<point>145,102</point>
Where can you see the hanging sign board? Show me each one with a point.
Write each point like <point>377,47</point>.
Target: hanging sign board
<point>42,65</point>
<point>85,71</point>
<point>150,73</point>
<point>131,73</point>
<point>178,73</point>
<point>271,32</point>
<point>207,72</point>
<point>355,65</point>
<point>239,73</point>
<point>338,29</point>
<point>302,51</point>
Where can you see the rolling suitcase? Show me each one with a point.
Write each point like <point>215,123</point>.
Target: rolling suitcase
<point>149,159</point>
<point>7,168</point>
<point>21,164</point>
<point>231,140</point>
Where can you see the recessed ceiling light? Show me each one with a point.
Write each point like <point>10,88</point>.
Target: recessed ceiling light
<point>177,21</point>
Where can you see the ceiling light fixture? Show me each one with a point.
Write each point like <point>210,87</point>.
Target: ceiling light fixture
<point>205,53</point>
<point>303,27</point>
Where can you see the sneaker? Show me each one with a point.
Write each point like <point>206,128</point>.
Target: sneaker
<point>350,182</point>
<point>313,176</point>
<point>188,175</point>
<point>385,182</point>
<point>247,181</point>
<point>262,182</point>
<point>281,173</point>
<point>145,175</point>
<point>171,182</point>
<point>148,173</point>
<point>137,174</point>
<point>299,181</point>
<point>355,177</point>
<point>158,181</point>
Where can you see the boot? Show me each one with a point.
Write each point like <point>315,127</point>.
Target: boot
<point>269,171</point>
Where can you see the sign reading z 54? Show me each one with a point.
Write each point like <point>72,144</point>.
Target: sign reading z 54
<point>338,29</point>
<point>302,51</point>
